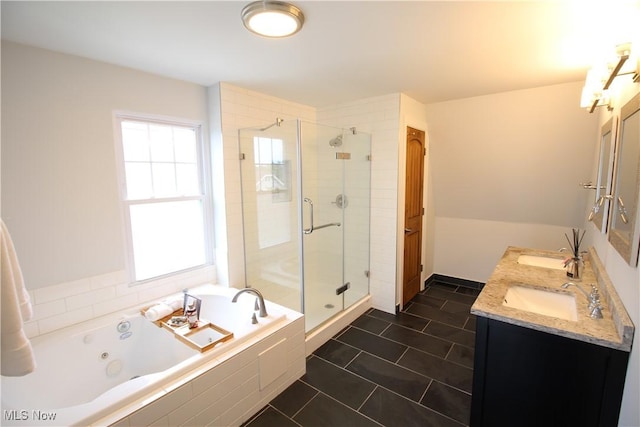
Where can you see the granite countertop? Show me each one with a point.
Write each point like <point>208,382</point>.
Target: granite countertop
<point>614,330</point>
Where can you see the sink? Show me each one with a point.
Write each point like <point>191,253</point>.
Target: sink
<point>542,261</point>
<point>540,301</point>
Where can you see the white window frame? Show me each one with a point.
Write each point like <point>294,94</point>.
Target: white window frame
<point>205,196</point>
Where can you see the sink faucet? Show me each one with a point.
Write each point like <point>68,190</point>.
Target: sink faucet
<point>595,308</point>
<point>263,308</point>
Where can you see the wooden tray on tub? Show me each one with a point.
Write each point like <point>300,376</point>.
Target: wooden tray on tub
<point>205,336</point>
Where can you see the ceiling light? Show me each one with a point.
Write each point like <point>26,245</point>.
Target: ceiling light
<point>272,18</point>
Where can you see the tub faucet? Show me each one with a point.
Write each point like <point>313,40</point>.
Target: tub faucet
<point>595,309</point>
<point>263,308</point>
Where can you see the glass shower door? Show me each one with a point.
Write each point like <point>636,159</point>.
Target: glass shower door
<point>335,193</point>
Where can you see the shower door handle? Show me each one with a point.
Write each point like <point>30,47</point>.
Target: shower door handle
<point>310,229</point>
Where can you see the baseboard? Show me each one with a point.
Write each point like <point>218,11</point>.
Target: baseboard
<point>453,281</point>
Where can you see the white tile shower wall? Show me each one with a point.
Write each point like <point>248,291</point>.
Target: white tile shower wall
<point>56,307</point>
<point>379,116</point>
<point>243,108</point>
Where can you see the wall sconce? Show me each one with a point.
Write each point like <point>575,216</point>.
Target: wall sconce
<point>593,98</point>
<point>595,92</point>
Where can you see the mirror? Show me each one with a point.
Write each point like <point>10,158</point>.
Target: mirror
<point>604,183</point>
<point>623,233</point>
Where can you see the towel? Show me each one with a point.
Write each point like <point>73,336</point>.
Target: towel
<point>17,353</point>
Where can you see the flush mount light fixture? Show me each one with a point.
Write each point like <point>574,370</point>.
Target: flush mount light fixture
<point>272,18</point>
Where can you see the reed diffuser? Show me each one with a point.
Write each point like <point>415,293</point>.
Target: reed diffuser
<point>575,264</point>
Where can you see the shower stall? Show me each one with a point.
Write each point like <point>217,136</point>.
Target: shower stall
<point>305,207</point>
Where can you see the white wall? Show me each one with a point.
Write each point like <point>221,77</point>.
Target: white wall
<point>505,171</point>
<point>60,197</point>
<point>625,278</point>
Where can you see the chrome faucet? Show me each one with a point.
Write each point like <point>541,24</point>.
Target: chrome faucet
<point>595,308</point>
<point>262,307</point>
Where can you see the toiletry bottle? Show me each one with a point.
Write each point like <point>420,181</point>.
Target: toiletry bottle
<point>192,315</point>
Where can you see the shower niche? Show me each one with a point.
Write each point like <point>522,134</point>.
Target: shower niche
<point>305,208</point>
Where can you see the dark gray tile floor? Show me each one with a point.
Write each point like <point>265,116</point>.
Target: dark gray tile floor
<point>410,369</point>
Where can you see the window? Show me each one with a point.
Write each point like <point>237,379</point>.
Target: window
<point>163,196</point>
<point>273,187</point>
<point>268,155</point>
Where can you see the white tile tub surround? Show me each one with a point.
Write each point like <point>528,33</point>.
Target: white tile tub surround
<point>226,392</point>
<point>222,386</point>
<point>56,307</point>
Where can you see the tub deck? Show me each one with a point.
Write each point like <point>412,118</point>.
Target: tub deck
<point>261,360</point>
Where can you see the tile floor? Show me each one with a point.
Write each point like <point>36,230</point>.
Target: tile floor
<point>411,369</point>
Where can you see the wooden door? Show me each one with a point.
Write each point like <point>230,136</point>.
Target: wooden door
<point>413,212</point>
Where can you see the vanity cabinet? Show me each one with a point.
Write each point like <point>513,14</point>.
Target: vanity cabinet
<point>527,377</point>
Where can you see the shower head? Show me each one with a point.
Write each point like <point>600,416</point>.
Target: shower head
<point>336,142</point>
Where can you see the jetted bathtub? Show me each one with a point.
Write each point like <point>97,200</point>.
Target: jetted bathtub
<point>90,370</point>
